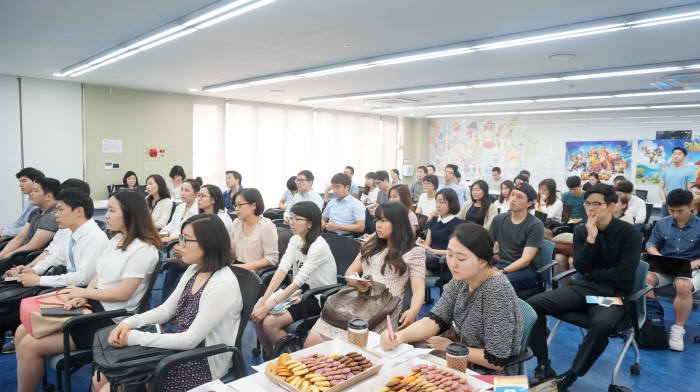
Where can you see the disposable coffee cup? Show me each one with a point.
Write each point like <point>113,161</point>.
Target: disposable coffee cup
<point>456,356</point>
<point>358,331</point>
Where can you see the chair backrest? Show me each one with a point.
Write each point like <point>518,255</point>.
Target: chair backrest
<point>529,316</point>
<point>172,211</point>
<point>544,257</point>
<point>649,209</point>
<point>284,234</point>
<point>642,194</point>
<point>344,251</point>
<point>145,302</point>
<point>640,280</point>
<point>251,289</point>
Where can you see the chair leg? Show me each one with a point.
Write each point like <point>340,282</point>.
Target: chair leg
<point>635,368</point>
<point>628,341</point>
<point>554,331</point>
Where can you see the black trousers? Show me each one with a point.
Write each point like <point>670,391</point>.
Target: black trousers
<point>602,320</point>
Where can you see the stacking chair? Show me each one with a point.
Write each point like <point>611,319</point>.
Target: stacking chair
<point>70,361</point>
<point>344,251</point>
<point>544,267</point>
<point>251,289</point>
<point>627,329</point>
<point>529,316</point>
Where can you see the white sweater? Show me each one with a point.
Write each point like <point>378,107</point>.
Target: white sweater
<point>216,322</point>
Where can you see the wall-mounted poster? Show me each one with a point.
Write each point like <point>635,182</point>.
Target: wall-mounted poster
<point>653,156</point>
<point>607,158</point>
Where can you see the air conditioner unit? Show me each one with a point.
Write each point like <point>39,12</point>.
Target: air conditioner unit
<point>686,80</point>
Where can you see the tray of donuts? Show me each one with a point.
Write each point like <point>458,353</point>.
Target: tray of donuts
<point>418,375</point>
<point>328,367</point>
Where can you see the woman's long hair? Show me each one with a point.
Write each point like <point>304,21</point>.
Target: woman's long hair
<point>485,200</point>
<point>509,184</point>
<point>137,220</point>
<point>309,211</point>
<point>402,238</point>
<point>163,192</point>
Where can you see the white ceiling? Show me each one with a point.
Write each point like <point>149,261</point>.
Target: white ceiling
<point>40,37</point>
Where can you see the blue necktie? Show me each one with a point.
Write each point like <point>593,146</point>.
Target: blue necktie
<point>71,267</point>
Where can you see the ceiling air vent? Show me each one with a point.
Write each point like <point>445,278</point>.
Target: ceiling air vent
<point>391,102</point>
<point>687,80</point>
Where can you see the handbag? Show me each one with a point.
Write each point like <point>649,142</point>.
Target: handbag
<point>348,303</point>
<point>38,325</point>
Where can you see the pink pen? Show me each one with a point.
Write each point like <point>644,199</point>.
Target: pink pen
<point>392,337</point>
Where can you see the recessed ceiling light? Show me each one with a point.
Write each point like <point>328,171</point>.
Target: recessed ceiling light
<point>412,115</point>
<point>562,56</point>
<point>288,100</point>
<point>194,90</point>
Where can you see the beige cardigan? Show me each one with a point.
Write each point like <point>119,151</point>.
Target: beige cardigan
<point>490,214</point>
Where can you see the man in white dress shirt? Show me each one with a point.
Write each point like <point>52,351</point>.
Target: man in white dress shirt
<point>636,208</point>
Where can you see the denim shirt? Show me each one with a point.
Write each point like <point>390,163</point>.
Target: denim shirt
<point>674,241</point>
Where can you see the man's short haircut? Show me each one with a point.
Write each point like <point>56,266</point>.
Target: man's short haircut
<point>624,186</point>
<point>454,168</point>
<point>522,178</point>
<point>341,178</point>
<point>421,167</point>
<point>608,192</point>
<point>75,198</point>
<point>292,183</point>
<point>526,173</point>
<point>431,178</point>
<point>594,174</point>
<point>352,169</point>
<point>307,173</point>
<point>177,170</point>
<point>496,169</point>
<point>29,172</point>
<point>49,185</point>
<point>679,198</point>
<point>619,178</point>
<point>458,175</point>
<point>431,166</point>
<point>370,175</point>
<point>573,182</point>
<point>251,195</point>
<point>77,184</point>
<point>236,175</point>
<point>681,149</point>
<point>381,175</point>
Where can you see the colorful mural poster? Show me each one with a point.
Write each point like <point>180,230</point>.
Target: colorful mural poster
<point>607,158</point>
<point>477,146</point>
<point>653,156</point>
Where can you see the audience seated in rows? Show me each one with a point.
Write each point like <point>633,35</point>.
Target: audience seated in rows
<point>478,307</point>
<point>253,237</point>
<point>158,199</point>
<point>354,190</point>
<point>312,265</point>
<point>288,193</point>
<point>417,185</point>
<point>677,235</point>
<point>206,304</point>
<point>183,211</point>
<point>391,258</point>
<point>401,194</point>
<point>573,201</point>
<point>426,201</point>
<point>381,181</point>
<point>41,224</point>
<point>234,182</point>
<point>636,208</point>
<point>518,237</point>
<point>547,201</point>
<point>177,176</point>
<point>440,229</point>
<point>370,191</point>
<point>26,179</point>
<point>606,255</point>
<point>494,181</point>
<point>452,182</point>
<point>123,271</point>
<point>344,215</point>
<point>479,209</point>
<point>210,200</point>
<point>502,202</point>
<point>305,192</point>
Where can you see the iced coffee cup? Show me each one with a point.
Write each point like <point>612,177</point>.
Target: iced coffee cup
<point>456,356</point>
<point>358,331</point>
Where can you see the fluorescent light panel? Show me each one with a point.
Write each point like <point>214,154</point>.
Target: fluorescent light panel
<point>572,110</point>
<point>614,24</point>
<point>166,34</point>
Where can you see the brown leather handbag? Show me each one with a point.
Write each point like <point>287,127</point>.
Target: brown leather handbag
<point>348,303</point>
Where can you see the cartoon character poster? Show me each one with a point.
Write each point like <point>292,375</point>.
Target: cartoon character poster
<point>607,158</point>
<point>653,156</point>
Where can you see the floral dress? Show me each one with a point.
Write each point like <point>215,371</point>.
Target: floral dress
<point>415,261</point>
<point>191,374</point>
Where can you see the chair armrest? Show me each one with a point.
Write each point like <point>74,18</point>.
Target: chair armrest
<point>516,359</point>
<point>556,278</point>
<point>312,292</point>
<point>168,362</point>
<point>562,229</point>
<point>545,267</point>
<point>328,293</point>
<point>262,271</point>
<point>169,246</point>
<point>87,318</point>
<point>631,306</point>
<point>267,274</point>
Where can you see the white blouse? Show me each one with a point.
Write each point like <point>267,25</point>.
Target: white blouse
<point>426,205</point>
<point>138,260</point>
<point>315,268</point>
<point>161,212</point>
<point>179,217</point>
<point>553,211</point>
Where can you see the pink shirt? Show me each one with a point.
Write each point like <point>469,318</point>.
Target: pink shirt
<point>261,243</point>
<point>412,218</point>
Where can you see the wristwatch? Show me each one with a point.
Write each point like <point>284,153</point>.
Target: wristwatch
<point>505,271</point>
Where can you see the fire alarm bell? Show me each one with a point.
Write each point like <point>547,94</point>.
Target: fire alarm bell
<point>153,153</point>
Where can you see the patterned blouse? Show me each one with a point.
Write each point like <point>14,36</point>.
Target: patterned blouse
<point>488,317</point>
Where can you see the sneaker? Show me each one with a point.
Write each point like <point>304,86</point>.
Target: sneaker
<point>542,373</point>
<point>8,348</point>
<point>675,338</point>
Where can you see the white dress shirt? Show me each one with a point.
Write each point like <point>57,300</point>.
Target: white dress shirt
<point>179,217</point>
<point>90,243</point>
<point>637,209</point>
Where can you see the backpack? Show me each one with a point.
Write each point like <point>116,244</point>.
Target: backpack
<point>652,335</point>
<point>131,365</point>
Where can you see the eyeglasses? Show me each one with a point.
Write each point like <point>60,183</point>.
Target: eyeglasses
<point>183,241</point>
<point>594,204</point>
<point>294,219</point>
<point>300,180</point>
<point>202,196</point>
<point>237,206</point>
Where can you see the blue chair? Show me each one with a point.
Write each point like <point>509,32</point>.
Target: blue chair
<point>529,316</point>
<point>627,329</point>
<point>544,267</point>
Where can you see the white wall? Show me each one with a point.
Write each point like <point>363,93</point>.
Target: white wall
<point>539,143</point>
<point>52,127</point>
<point>10,150</point>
